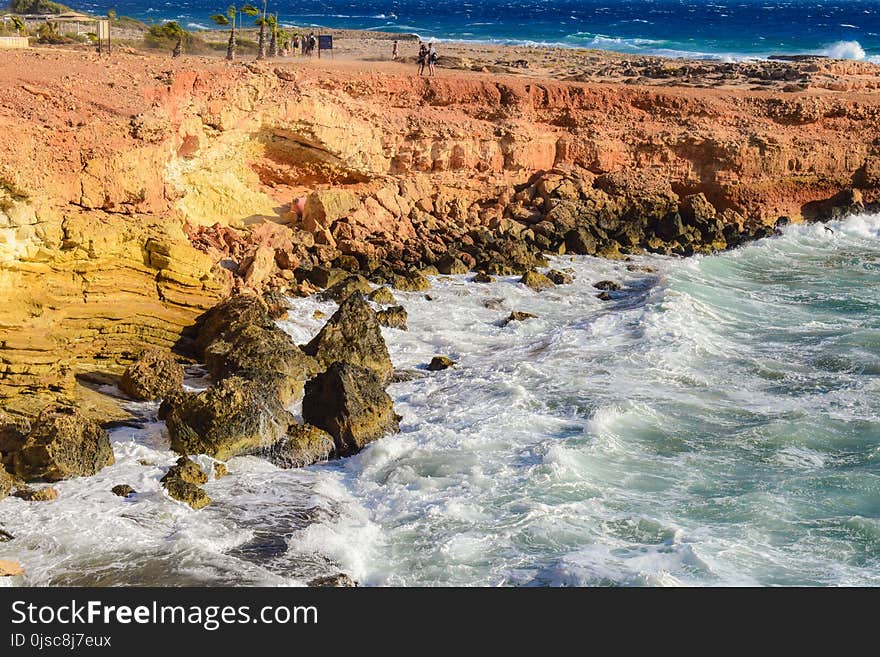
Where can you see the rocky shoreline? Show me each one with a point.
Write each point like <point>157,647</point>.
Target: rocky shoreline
<point>211,192</point>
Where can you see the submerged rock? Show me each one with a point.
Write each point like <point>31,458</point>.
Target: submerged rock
<point>10,568</point>
<point>333,581</point>
<point>186,470</point>
<point>185,492</point>
<point>410,282</point>
<point>152,376</point>
<point>123,490</point>
<point>394,317</point>
<point>382,295</point>
<point>28,494</point>
<point>607,285</point>
<point>483,277</point>
<point>536,281</point>
<point>518,316</point>
<point>5,536</point>
<point>303,446</point>
<point>353,335</point>
<point>559,277</point>
<point>349,402</point>
<point>61,444</point>
<point>439,363</point>
<point>235,416</point>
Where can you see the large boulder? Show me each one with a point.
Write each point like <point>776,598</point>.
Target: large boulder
<point>352,334</point>
<point>349,402</point>
<point>233,313</point>
<point>62,444</point>
<point>303,446</point>
<point>152,376</point>
<point>234,416</point>
<point>261,351</point>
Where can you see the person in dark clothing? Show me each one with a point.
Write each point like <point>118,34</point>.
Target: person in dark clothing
<point>423,58</point>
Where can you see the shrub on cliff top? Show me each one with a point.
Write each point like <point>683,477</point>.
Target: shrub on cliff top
<point>37,7</point>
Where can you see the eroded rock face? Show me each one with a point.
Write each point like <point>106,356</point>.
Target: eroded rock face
<point>234,416</point>
<point>99,262</point>
<point>353,335</point>
<point>303,446</point>
<point>152,376</point>
<point>349,402</point>
<point>63,444</point>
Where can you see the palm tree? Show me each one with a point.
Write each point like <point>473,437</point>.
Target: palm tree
<point>229,19</point>
<point>262,21</point>
<point>273,38</point>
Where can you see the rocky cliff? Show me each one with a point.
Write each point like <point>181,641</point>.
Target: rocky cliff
<point>134,194</point>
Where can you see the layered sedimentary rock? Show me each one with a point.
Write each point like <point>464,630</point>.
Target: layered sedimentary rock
<point>136,194</point>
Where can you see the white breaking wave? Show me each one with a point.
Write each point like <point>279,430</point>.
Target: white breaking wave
<point>845,50</point>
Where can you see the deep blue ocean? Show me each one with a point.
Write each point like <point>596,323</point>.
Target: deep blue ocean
<point>720,29</point>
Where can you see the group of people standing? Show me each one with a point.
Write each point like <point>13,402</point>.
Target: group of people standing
<point>427,58</point>
<point>305,43</point>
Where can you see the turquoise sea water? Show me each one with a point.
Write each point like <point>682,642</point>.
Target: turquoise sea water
<point>716,423</point>
<point>714,28</point>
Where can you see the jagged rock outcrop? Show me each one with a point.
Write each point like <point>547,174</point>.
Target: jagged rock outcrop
<point>352,334</point>
<point>350,403</point>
